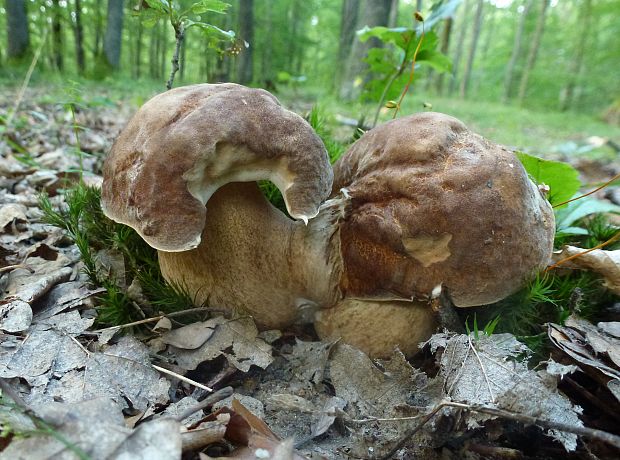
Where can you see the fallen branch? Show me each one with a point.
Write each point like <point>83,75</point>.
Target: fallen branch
<point>591,433</point>
<point>208,401</point>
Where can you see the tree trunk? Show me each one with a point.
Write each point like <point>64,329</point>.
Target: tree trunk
<point>17,29</point>
<point>533,52</point>
<point>78,31</point>
<point>113,34</point>
<point>139,51</point>
<point>393,19</point>
<point>57,39</point>
<point>374,13</point>
<point>98,30</point>
<point>293,41</point>
<point>267,76</point>
<point>246,32</point>
<point>348,21</point>
<point>584,18</point>
<point>459,47</point>
<point>516,51</point>
<point>446,34</point>
<point>472,49</point>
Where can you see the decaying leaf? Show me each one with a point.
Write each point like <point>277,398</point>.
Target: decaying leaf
<point>235,339</point>
<point>492,371</point>
<point>15,315</point>
<point>605,263</point>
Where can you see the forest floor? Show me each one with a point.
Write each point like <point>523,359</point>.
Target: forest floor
<point>73,389</point>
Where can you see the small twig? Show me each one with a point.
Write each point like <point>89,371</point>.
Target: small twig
<point>182,378</point>
<point>179,34</point>
<point>617,176</point>
<point>413,62</point>
<point>155,319</point>
<point>22,90</point>
<point>9,268</point>
<point>208,401</point>
<point>484,372</point>
<point>591,433</point>
<point>411,432</point>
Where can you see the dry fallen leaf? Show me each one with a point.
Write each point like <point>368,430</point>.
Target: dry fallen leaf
<point>605,263</point>
<point>236,339</point>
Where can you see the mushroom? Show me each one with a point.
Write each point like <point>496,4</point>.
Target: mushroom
<point>434,207</point>
<point>207,145</point>
<point>419,205</point>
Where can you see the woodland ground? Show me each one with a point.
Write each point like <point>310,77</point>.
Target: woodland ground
<point>327,396</point>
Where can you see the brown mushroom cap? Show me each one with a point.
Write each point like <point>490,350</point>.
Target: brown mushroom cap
<point>184,144</point>
<point>433,204</point>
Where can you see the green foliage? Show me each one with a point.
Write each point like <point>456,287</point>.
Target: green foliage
<point>91,231</point>
<point>562,178</point>
<point>575,224</point>
<point>388,64</point>
<point>172,11</point>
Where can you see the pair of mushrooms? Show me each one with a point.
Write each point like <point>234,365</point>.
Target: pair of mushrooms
<point>416,206</point>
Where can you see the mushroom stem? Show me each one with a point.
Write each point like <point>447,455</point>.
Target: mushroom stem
<point>252,257</point>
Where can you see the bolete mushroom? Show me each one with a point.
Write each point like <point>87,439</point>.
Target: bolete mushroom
<point>419,205</point>
<point>433,207</point>
<point>207,145</point>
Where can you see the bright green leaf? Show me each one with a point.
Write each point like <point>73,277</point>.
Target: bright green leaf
<point>214,6</point>
<point>562,178</point>
<point>567,215</point>
<point>158,5</point>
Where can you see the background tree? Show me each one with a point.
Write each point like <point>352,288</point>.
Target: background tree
<point>472,48</point>
<point>78,31</point>
<point>575,67</point>
<point>112,41</point>
<point>348,23</point>
<point>18,37</point>
<point>57,36</point>
<point>246,32</point>
<point>533,52</point>
<point>516,51</point>
<point>374,13</point>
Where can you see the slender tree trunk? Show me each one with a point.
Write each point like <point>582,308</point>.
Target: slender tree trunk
<point>472,49</point>
<point>153,52</point>
<point>78,31</point>
<point>374,13</point>
<point>584,19</point>
<point>246,32</point>
<point>348,21</point>
<point>163,46</point>
<point>139,50</point>
<point>533,52</point>
<point>267,49</point>
<point>182,61</point>
<point>293,40</point>
<point>393,18</point>
<point>458,52</point>
<point>98,30</point>
<point>17,29</point>
<point>516,51</point>
<point>446,34</point>
<point>57,35</point>
<point>112,40</point>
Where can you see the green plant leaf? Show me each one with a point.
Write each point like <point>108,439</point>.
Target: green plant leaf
<point>562,178</point>
<point>159,5</point>
<point>438,61</point>
<point>214,6</point>
<point>567,215</point>
<point>398,36</point>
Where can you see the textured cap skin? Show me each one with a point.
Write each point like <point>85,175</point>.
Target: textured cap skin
<point>184,144</point>
<point>433,204</point>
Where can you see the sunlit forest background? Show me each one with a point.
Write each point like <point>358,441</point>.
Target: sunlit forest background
<point>494,63</point>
